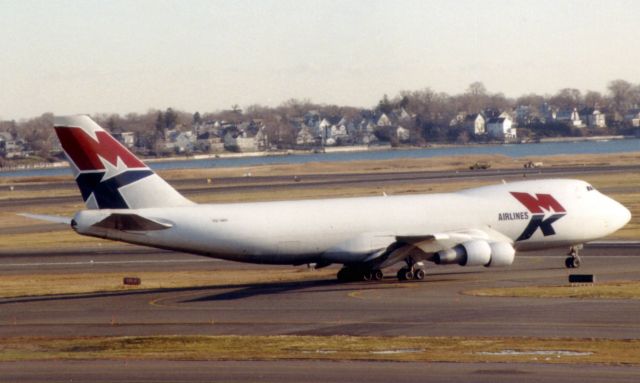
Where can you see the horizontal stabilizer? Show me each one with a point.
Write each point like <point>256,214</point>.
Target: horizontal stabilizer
<point>48,218</point>
<point>131,222</point>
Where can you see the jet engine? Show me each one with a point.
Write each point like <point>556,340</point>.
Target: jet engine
<point>477,253</point>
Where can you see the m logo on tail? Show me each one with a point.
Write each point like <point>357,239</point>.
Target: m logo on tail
<point>539,205</point>
<point>102,164</point>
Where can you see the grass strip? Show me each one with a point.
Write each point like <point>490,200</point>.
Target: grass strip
<point>339,348</point>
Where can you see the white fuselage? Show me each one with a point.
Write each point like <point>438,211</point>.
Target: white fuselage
<point>348,230</point>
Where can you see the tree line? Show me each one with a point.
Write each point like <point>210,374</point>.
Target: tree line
<point>431,114</point>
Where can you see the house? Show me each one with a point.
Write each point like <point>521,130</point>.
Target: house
<point>458,120</point>
<point>312,118</point>
<point>593,118</point>
<point>324,125</point>
<point>366,133</point>
<point>633,118</point>
<point>10,148</point>
<point>402,115</point>
<point>547,113</point>
<point>180,142</point>
<point>383,120</point>
<point>403,134</point>
<point>501,128</point>
<point>337,134</point>
<point>527,114</point>
<point>127,139</point>
<point>251,139</point>
<point>570,117</point>
<point>209,142</point>
<point>307,137</point>
<point>475,124</point>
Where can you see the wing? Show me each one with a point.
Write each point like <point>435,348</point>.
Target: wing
<point>424,246</point>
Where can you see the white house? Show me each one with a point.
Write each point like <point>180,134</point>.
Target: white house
<point>403,134</point>
<point>501,128</point>
<point>475,124</point>
<point>571,117</point>
<point>593,117</point>
<point>384,120</point>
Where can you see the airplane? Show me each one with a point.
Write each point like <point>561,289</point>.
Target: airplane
<point>484,226</point>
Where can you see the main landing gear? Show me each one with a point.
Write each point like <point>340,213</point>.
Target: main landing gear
<point>573,260</point>
<point>352,274</point>
<point>413,271</point>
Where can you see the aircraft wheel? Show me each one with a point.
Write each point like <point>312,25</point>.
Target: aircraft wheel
<point>377,275</point>
<point>405,274</point>
<point>575,262</point>
<point>568,262</point>
<point>366,275</point>
<point>572,262</point>
<point>418,274</point>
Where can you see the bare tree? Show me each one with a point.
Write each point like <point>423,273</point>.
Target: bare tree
<point>477,88</point>
<point>594,99</point>
<point>567,98</point>
<point>622,95</point>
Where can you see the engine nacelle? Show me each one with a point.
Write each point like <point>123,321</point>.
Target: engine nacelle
<point>477,253</point>
<point>502,254</point>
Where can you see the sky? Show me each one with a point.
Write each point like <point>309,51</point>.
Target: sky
<point>69,57</point>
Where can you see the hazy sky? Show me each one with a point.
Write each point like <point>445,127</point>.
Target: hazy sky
<point>70,57</point>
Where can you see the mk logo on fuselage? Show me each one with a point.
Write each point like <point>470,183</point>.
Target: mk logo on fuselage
<point>539,205</point>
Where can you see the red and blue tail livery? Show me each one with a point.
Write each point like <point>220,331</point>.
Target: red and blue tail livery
<point>108,174</point>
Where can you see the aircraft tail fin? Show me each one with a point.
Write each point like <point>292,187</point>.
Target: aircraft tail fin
<point>108,174</point>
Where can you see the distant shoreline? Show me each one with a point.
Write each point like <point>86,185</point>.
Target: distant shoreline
<point>326,150</point>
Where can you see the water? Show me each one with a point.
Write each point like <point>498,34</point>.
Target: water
<point>514,151</point>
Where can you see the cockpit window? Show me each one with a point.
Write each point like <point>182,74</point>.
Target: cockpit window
<point>590,188</point>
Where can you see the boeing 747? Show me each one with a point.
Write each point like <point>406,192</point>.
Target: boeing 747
<point>485,226</point>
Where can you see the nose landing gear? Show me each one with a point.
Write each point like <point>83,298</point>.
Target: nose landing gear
<point>573,260</point>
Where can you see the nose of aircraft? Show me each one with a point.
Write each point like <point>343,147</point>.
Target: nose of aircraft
<point>620,215</point>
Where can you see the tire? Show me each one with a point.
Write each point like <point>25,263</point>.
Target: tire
<point>568,262</point>
<point>418,275</point>
<point>575,263</point>
<point>377,275</point>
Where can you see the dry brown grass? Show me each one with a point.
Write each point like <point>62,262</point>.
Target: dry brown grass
<point>613,290</point>
<point>338,348</point>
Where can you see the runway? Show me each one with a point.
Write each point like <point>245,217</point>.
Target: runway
<point>434,307</point>
<point>308,372</point>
